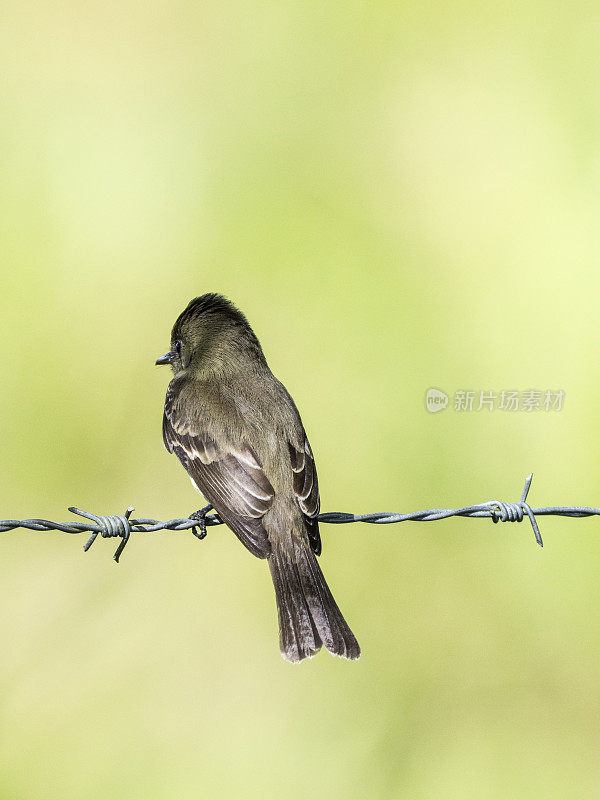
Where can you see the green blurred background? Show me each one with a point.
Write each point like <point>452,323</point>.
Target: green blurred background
<point>399,196</point>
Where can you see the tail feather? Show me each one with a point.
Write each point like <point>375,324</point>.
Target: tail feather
<point>308,615</point>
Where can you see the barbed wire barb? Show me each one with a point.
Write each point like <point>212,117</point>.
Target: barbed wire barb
<point>122,526</point>
<point>108,526</point>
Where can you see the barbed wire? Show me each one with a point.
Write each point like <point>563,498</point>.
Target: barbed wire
<point>122,526</point>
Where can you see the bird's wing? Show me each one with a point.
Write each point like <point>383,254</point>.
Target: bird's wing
<point>306,488</point>
<point>231,479</point>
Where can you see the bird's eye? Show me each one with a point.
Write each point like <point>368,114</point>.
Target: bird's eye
<point>178,348</point>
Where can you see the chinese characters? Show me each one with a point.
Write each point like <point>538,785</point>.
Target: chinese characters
<point>528,401</point>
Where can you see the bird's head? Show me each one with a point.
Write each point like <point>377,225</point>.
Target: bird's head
<point>211,335</point>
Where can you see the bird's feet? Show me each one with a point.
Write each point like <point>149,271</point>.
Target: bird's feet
<point>200,516</point>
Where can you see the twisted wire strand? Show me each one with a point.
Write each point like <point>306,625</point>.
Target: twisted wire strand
<point>122,526</point>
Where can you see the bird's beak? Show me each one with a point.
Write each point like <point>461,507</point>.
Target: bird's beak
<point>166,359</point>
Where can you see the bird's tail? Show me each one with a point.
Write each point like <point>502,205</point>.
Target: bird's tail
<point>308,614</point>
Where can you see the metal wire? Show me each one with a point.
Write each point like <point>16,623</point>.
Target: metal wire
<point>122,526</point>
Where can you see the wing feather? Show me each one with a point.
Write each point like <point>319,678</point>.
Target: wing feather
<point>231,479</point>
<point>306,487</point>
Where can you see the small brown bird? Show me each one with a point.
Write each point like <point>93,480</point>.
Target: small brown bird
<point>239,435</point>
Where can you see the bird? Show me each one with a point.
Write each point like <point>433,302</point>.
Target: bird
<point>238,433</point>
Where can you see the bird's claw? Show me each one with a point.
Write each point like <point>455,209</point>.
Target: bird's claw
<point>200,516</point>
